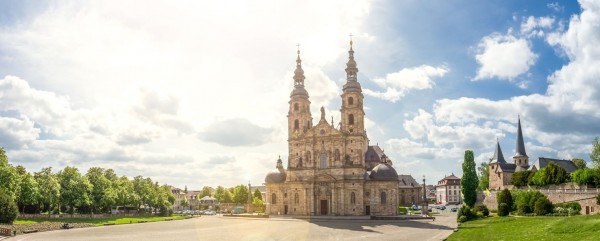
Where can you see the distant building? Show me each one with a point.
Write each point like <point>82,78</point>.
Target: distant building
<point>410,192</point>
<point>210,202</point>
<point>179,197</point>
<point>431,193</point>
<point>261,189</point>
<point>448,190</point>
<point>501,171</point>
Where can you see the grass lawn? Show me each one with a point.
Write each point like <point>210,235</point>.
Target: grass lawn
<point>99,221</point>
<point>530,228</point>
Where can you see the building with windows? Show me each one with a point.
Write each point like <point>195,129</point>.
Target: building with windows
<point>409,190</point>
<point>331,169</point>
<point>501,171</point>
<point>448,190</point>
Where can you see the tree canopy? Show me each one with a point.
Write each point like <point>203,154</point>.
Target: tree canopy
<point>469,181</point>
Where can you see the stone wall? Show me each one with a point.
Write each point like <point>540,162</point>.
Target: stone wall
<point>586,197</point>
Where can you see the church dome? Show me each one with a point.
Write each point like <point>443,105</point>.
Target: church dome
<point>277,175</point>
<point>383,171</point>
<point>352,86</point>
<point>299,91</point>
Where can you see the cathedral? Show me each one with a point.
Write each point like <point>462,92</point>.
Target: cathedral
<point>331,170</point>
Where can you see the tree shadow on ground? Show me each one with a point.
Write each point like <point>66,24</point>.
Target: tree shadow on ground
<point>370,225</point>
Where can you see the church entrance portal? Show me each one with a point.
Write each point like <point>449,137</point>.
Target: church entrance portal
<point>323,207</point>
<point>368,210</point>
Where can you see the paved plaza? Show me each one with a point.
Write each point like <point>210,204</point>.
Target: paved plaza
<point>279,228</point>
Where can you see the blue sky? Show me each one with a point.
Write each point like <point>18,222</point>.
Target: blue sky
<point>195,92</point>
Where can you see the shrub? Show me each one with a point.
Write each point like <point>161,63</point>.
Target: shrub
<point>520,178</point>
<point>465,213</point>
<point>542,206</point>
<point>505,197</point>
<point>483,209</point>
<point>570,208</point>
<point>503,209</point>
<point>525,201</point>
<point>493,210</point>
<point>8,208</point>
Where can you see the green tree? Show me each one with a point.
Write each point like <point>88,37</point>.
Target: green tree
<point>259,205</point>
<point>8,207</point>
<point>585,176</point>
<point>30,192</point>
<point>49,187</point>
<point>9,178</point>
<point>75,189</point>
<point>125,192</point>
<point>505,196</point>
<point>469,181</point>
<point>220,194</point>
<point>542,206</point>
<point>240,194</point>
<point>503,209</point>
<point>595,154</point>
<point>520,178</point>
<point>227,196</point>
<point>206,191</point>
<point>556,174</point>
<point>580,163</point>
<point>484,176</point>
<point>257,194</point>
<point>102,196</point>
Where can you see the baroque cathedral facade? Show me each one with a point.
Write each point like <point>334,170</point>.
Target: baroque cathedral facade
<point>331,170</point>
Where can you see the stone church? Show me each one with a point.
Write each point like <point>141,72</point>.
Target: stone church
<point>331,170</point>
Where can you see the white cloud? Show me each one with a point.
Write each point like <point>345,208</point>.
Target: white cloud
<point>504,57</point>
<point>398,84</point>
<point>532,26</point>
<point>15,133</point>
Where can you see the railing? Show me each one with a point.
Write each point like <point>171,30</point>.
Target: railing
<point>6,232</point>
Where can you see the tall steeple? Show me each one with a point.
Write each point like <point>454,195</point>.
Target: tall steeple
<point>299,78</point>
<point>520,149</point>
<point>498,157</point>
<point>352,84</point>
<point>520,158</point>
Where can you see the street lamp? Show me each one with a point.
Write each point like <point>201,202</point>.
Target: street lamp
<point>424,208</point>
<point>249,196</point>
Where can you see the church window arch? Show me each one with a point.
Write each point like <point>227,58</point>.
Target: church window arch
<point>336,155</point>
<point>383,197</point>
<point>350,101</point>
<point>352,198</point>
<point>323,160</point>
<point>273,198</point>
<point>296,198</point>
<point>350,119</point>
<point>296,124</point>
<point>295,106</point>
<point>308,157</point>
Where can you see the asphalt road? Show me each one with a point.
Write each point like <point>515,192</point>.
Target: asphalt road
<point>222,228</point>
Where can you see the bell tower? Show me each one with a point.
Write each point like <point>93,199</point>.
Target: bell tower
<point>299,116</point>
<point>353,115</point>
<point>520,158</point>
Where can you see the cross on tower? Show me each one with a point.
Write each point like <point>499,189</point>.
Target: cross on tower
<point>351,38</point>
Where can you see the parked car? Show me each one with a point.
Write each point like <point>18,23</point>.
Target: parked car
<point>441,207</point>
<point>454,209</point>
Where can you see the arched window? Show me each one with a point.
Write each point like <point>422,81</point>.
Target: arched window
<point>295,106</point>
<point>296,198</point>
<point>273,198</point>
<point>383,197</point>
<point>350,101</point>
<point>336,155</point>
<point>308,158</point>
<point>296,124</point>
<point>300,162</point>
<point>323,160</point>
<point>350,119</point>
<point>352,198</point>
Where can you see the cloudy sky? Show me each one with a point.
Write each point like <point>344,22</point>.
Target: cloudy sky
<point>195,92</point>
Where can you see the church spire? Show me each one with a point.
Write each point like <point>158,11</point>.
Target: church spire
<point>520,148</point>
<point>299,78</point>
<point>498,157</point>
<point>351,71</point>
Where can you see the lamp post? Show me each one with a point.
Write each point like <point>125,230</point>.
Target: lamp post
<point>249,196</point>
<point>424,208</point>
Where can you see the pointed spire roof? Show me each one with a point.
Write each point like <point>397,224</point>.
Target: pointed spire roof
<point>352,84</point>
<point>520,148</point>
<point>299,78</point>
<point>498,157</point>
